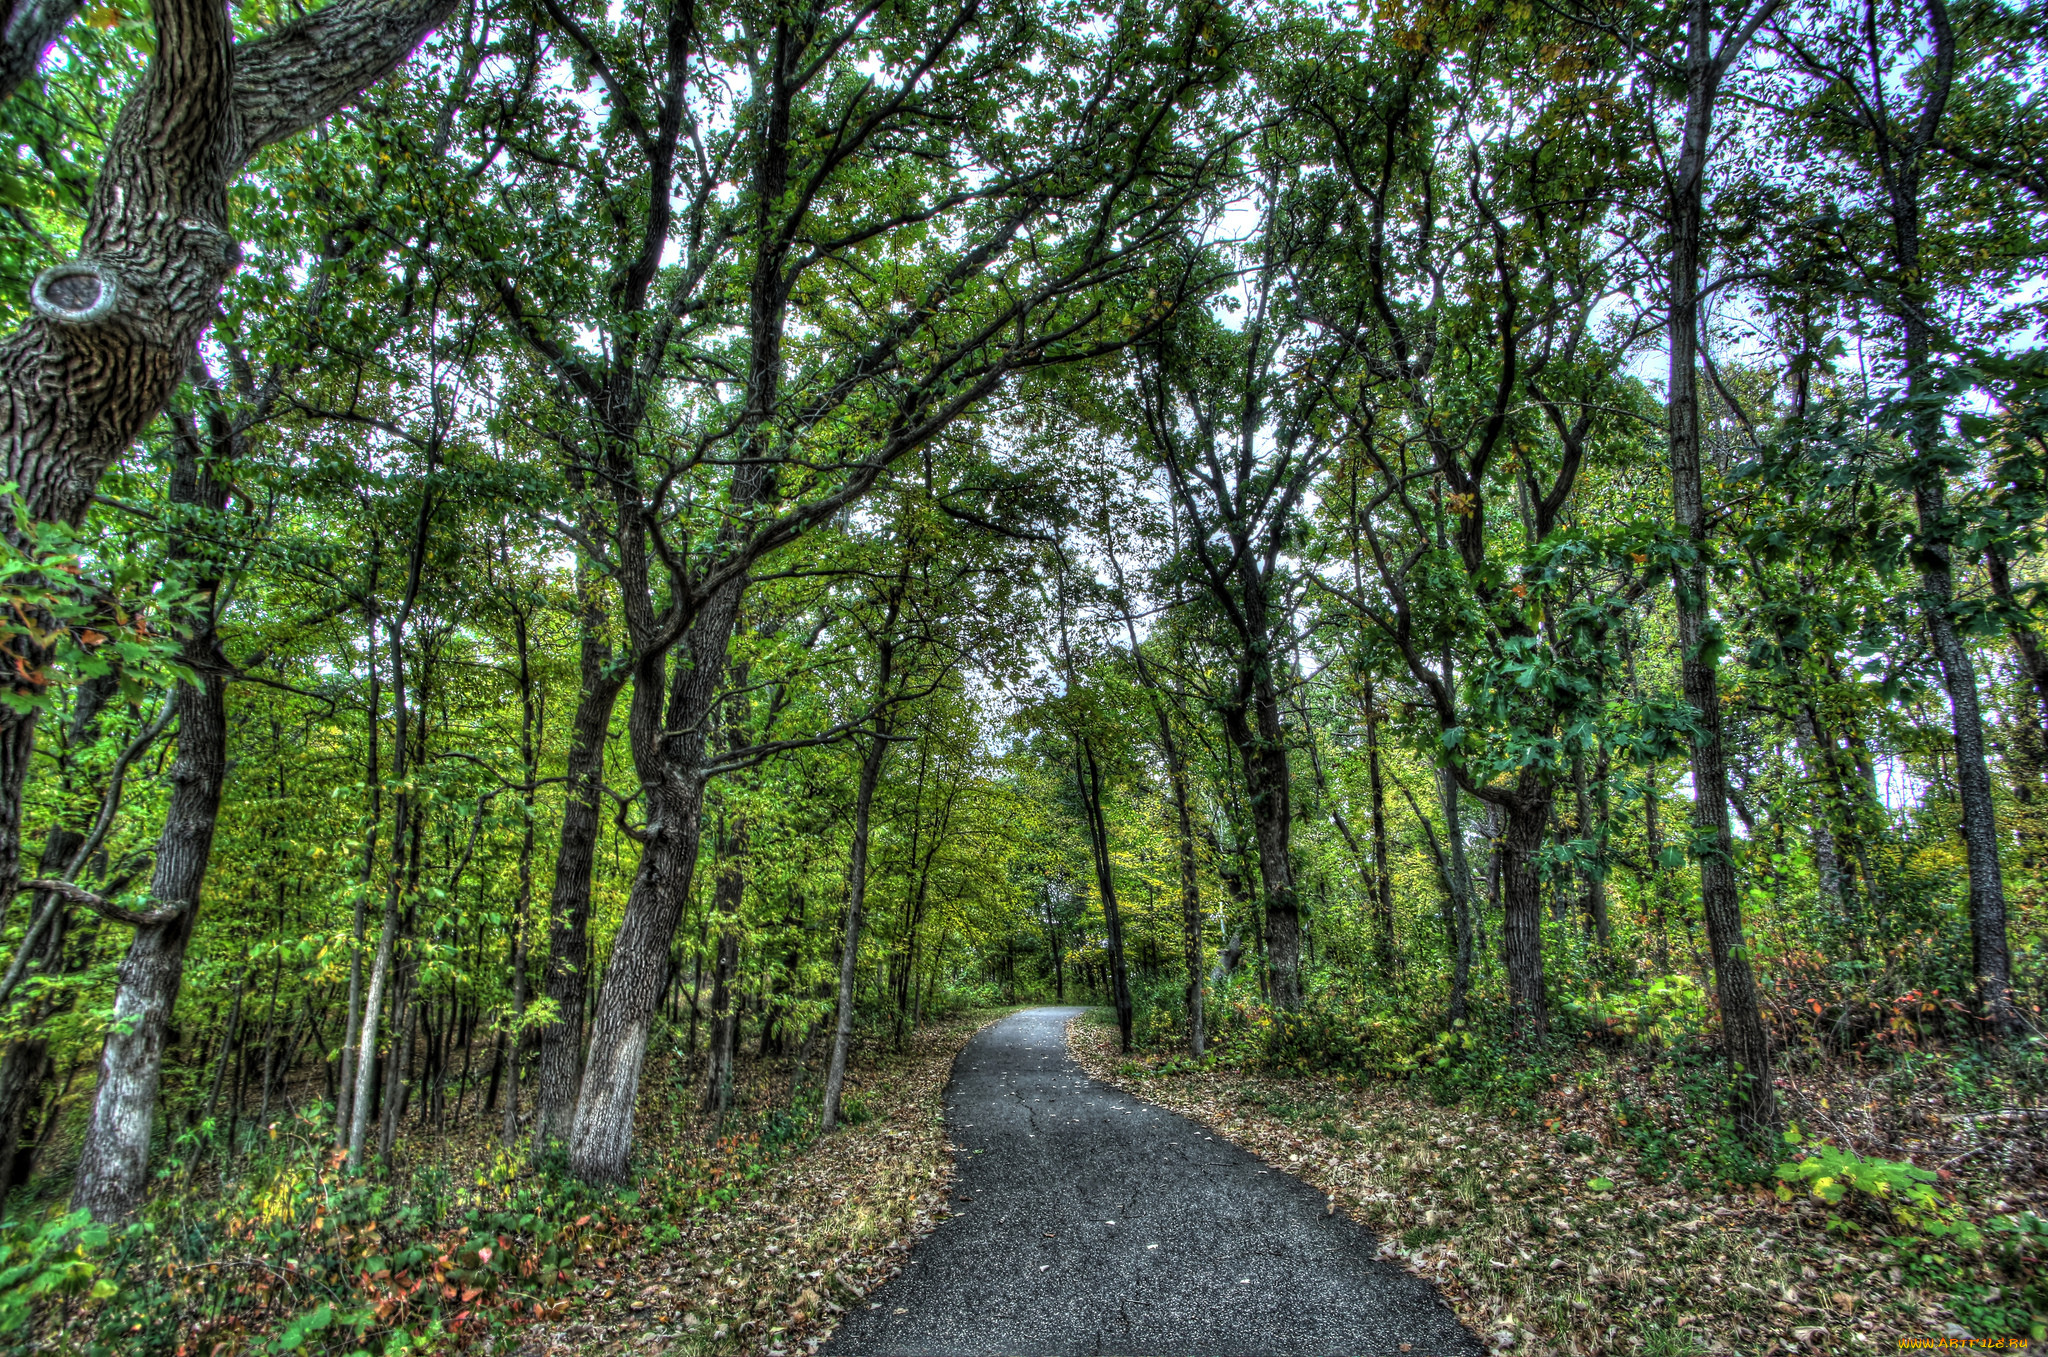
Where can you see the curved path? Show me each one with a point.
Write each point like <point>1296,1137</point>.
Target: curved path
<point>1094,1222</point>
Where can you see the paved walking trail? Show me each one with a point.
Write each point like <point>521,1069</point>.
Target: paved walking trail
<point>1094,1222</point>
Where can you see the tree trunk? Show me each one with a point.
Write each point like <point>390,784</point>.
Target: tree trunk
<point>529,763</point>
<point>561,1041</point>
<point>1382,874</point>
<point>1591,837</point>
<point>344,1101</point>
<point>1090,775</point>
<point>1461,892</point>
<point>113,1166</point>
<point>726,899</point>
<point>856,900</point>
<point>670,766</point>
<point>1699,636</point>
<point>1521,849</point>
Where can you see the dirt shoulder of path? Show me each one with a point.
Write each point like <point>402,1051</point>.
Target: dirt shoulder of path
<point>801,1240</point>
<point>1541,1250</point>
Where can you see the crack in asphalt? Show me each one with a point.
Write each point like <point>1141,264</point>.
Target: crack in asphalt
<point>1246,1261</point>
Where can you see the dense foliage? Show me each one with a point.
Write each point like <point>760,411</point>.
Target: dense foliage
<point>718,532</point>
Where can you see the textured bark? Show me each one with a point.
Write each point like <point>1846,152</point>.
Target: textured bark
<point>1521,846</point>
<point>27,31</point>
<point>113,1165</point>
<point>561,1041</point>
<point>1257,736</point>
<point>1755,1102</point>
<point>110,332</point>
<point>670,756</point>
<point>856,900</point>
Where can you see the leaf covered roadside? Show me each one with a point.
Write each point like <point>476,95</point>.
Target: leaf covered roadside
<point>753,1243</point>
<point>771,1269</point>
<point>1546,1236</point>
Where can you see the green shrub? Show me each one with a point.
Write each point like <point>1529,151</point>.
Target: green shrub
<point>1897,1192</point>
<point>1664,1011</point>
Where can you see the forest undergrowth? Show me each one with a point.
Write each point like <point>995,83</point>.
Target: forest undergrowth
<point>1593,1200</point>
<point>749,1236</point>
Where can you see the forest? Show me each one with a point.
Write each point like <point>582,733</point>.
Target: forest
<point>587,580</point>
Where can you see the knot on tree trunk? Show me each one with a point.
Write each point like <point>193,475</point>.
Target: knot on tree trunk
<point>75,293</point>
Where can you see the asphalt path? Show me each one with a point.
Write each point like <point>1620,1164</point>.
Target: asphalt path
<point>1089,1221</point>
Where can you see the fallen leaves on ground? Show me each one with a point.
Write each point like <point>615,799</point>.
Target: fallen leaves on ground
<point>802,1241</point>
<point>1546,1251</point>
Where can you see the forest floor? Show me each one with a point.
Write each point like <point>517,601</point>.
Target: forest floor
<point>802,1238</point>
<point>1550,1234</point>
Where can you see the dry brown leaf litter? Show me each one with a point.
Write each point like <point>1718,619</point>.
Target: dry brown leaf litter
<point>1504,1221</point>
<point>810,1238</point>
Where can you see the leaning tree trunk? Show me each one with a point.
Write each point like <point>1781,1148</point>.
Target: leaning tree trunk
<point>561,1041</point>
<point>671,766</point>
<point>113,1166</point>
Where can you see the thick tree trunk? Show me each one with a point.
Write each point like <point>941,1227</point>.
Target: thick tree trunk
<point>1521,849</point>
<point>561,1041</point>
<point>601,1141</point>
